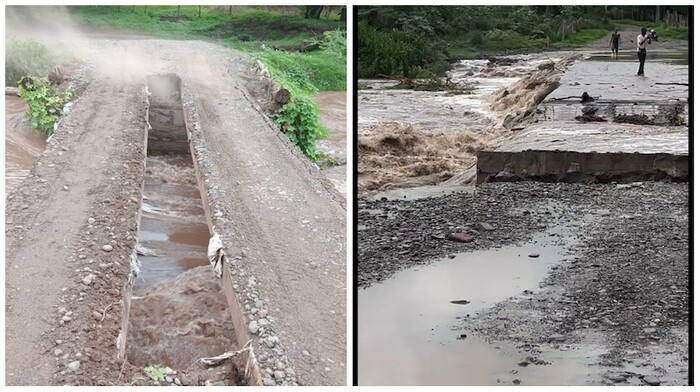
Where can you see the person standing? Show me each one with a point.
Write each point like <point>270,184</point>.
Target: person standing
<point>642,41</point>
<point>615,42</point>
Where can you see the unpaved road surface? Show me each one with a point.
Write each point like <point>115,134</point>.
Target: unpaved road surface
<point>283,223</point>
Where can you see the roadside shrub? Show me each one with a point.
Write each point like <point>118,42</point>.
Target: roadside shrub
<point>299,118</point>
<point>27,58</point>
<point>45,103</point>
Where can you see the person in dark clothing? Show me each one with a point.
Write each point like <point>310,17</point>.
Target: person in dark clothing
<point>615,42</point>
<point>642,41</point>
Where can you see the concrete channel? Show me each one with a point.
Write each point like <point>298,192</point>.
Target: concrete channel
<point>173,285</point>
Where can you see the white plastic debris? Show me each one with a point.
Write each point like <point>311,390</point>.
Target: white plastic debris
<point>216,253</point>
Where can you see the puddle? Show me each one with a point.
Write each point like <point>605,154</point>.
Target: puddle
<point>173,234</point>
<point>22,144</point>
<point>408,329</point>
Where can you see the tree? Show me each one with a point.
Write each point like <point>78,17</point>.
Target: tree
<point>313,12</point>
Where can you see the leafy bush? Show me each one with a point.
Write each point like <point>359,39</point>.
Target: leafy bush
<point>27,58</point>
<point>45,103</point>
<point>299,117</point>
<point>397,52</point>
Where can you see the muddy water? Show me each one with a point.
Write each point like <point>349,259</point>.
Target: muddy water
<point>22,144</point>
<point>177,321</point>
<point>408,333</point>
<point>178,311</point>
<point>333,111</point>
<point>173,234</point>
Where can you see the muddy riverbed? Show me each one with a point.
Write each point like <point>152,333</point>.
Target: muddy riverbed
<point>581,289</point>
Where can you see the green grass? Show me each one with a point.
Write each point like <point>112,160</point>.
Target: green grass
<point>505,42</point>
<point>664,32</point>
<point>244,24</point>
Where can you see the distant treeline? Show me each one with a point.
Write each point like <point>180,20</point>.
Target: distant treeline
<point>419,41</point>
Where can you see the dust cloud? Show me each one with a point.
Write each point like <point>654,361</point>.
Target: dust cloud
<point>76,44</point>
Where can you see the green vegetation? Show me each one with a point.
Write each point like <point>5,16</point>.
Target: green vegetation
<point>419,41</point>
<point>45,103</point>
<point>156,373</point>
<point>27,58</point>
<point>303,55</point>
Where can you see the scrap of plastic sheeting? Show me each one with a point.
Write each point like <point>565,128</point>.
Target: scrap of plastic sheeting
<point>216,253</point>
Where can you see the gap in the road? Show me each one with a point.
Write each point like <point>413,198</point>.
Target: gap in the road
<point>178,309</point>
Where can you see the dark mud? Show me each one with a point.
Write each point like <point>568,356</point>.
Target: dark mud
<point>622,285</point>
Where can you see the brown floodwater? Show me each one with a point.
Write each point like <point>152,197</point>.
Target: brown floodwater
<point>22,144</point>
<point>333,112</point>
<point>173,234</point>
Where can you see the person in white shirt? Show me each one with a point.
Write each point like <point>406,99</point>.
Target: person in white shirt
<point>642,41</point>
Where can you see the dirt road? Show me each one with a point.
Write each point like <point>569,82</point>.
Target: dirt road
<point>284,222</point>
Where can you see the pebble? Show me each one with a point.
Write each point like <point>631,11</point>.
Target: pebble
<point>461,237</point>
<point>534,255</point>
<point>253,327</point>
<point>305,352</point>
<point>616,377</point>
<point>57,352</point>
<point>87,281</point>
<point>271,341</point>
<point>263,322</point>
<point>557,338</point>
<point>484,226</point>
<point>74,366</point>
<point>65,187</point>
<point>290,372</point>
<point>262,313</point>
<point>652,380</point>
<point>91,220</point>
<point>66,319</point>
<point>279,375</point>
<point>178,382</point>
<point>269,382</point>
<point>107,248</point>
<point>168,379</point>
